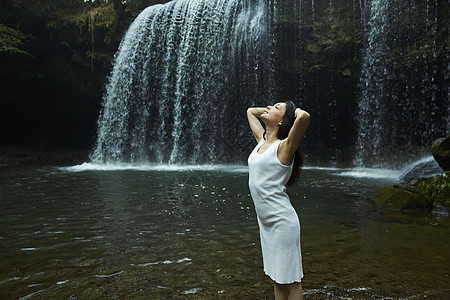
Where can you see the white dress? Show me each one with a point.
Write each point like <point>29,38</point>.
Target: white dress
<point>279,225</point>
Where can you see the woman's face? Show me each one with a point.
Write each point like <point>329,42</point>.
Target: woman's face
<point>275,113</point>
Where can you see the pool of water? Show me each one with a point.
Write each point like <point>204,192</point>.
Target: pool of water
<point>156,232</point>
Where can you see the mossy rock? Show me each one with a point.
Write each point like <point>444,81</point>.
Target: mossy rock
<point>440,149</point>
<point>402,198</point>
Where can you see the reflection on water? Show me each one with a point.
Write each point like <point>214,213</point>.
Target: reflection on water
<point>160,232</point>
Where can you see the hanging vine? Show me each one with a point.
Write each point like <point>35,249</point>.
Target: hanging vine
<point>93,19</point>
<point>105,17</point>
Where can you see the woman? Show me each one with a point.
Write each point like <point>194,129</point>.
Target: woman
<point>275,163</point>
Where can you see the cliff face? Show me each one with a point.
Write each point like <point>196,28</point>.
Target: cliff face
<point>55,59</point>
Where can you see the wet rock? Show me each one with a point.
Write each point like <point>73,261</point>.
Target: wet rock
<point>423,169</point>
<point>402,198</point>
<point>442,205</point>
<point>440,149</point>
<point>425,185</point>
<point>432,194</point>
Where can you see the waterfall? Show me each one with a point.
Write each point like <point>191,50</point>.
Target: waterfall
<point>182,77</point>
<point>402,86</point>
<point>186,71</point>
<point>373,75</point>
<point>362,6</point>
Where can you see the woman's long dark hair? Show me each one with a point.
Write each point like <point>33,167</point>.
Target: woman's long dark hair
<point>283,131</point>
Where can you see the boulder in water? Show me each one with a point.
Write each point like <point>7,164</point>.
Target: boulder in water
<point>422,169</point>
<point>417,194</point>
<point>423,186</point>
<point>440,149</point>
<point>402,198</point>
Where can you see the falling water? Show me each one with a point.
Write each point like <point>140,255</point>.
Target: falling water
<point>183,74</point>
<point>429,74</point>
<point>186,71</point>
<point>362,6</point>
<point>401,85</point>
<point>372,81</point>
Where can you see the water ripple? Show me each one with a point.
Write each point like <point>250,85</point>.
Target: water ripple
<point>109,275</point>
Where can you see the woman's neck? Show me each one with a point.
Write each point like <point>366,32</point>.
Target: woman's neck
<point>271,135</point>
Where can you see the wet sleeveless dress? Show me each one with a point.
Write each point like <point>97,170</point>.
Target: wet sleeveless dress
<point>279,226</point>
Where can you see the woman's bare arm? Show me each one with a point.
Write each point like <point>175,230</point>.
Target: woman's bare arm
<point>253,114</point>
<point>292,142</point>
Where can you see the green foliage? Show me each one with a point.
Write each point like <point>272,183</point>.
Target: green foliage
<point>11,40</point>
<point>141,4</point>
<point>347,72</point>
<point>329,34</point>
<point>437,189</point>
<point>333,42</point>
<point>105,17</point>
<point>315,68</point>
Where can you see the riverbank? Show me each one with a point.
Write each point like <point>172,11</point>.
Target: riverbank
<point>21,155</point>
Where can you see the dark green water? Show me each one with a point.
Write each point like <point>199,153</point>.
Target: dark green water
<point>175,234</point>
